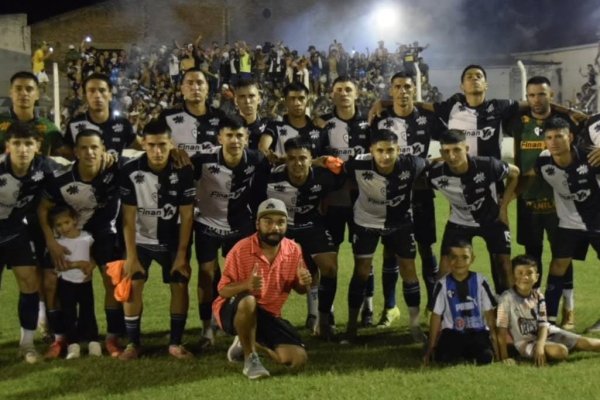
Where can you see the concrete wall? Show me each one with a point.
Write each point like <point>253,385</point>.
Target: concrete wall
<point>15,48</point>
<point>118,23</point>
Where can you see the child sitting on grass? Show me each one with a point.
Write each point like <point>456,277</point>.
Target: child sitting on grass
<point>75,284</point>
<point>462,325</point>
<point>522,313</point>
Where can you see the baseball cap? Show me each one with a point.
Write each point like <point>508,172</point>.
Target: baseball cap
<point>271,206</point>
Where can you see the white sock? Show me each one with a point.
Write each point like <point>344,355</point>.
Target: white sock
<point>569,299</point>
<point>42,320</point>
<point>27,336</point>
<point>208,333</point>
<point>368,303</point>
<point>413,316</point>
<point>312,300</point>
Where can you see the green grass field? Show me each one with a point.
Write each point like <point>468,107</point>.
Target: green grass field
<point>384,365</point>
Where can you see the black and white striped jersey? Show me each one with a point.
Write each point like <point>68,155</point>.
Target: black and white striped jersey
<point>19,195</point>
<point>225,195</point>
<point>576,190</point>
<point>157,198</point>
<point>96,202</point>
<point>384,201</point>
<point>483,125</point>
<point>414,131</point>
<point>281,131</point>
<point>472,195</point>
<point>590,133</point>
<point>345,139</point>
<point>255,131</point>
<point>191,133</point>
<point>117,132</point>
<point>303,202</point>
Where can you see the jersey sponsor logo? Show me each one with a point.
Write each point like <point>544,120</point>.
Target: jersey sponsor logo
<point>301,210</point>
<point>116,139</point>
<point>581,195</point>
<point>279,188</point>
<point>167,212</point>
<point>527,326</point>
<point>195,147</point>
<point>214,121</point>
<point>483,134</point>
<point>227,196</point>
<point>472,207</point>
<point>24,201</point>
<point>414,149</point>
<point>389,203</point>
<point>532,145</point>
<point>363,125</point>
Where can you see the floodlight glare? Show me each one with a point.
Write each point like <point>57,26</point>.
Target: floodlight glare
<point>386,15</point>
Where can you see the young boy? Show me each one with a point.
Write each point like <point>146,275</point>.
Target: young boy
<point>522,312</point>
<point>463,315</point>
<point>75,287</point>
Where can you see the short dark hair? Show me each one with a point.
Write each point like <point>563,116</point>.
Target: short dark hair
<point>22,130</point>
<point>472,66</point>
<point>297,143</point>
<point>233,122</point>
<point>460,243</point>
<point>246,82</point>
<point>452,136</point>
<point>60,209</point>
<point>97,76</point>
<point>88,133</point>
<point>383,135</point>
<point>523,259</point>
<point>538,80</point>
<point>556,123</point>
<point>342,79</point>
<point>402,74</point>
<point>156,126</point>
<point>294,87</point>
<point>193,69</point>
<point>24,75</point>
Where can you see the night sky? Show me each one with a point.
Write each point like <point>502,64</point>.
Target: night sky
<point>510,25</point>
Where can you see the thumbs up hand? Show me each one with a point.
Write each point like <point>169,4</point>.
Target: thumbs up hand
<point>255,282</point>
<point>304,276</point>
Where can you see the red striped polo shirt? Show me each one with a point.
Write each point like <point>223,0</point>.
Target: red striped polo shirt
<point>279,277</point>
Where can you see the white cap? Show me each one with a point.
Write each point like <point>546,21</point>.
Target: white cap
<point>271,206</point>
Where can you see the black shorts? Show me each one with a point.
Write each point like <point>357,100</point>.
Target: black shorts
<point>18,251</point>
<point>314,240</point>
<point>401,241</point>
<point>573,243</point>
<point>531,226</point>
<point>496,236</point>
<point>336,220</point>
<point>454,346</point>
<point>424,217</point>
<point>271,331</point>
<point>164,258</point>
<point>207,244</point>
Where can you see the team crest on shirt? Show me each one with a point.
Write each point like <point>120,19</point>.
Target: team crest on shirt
<point>316,188</point>
<point>279,188</point>
<point>367,175</point>
<point>490,108</point>
<point>549,170</point>
<point>139,178</point>
<point>443,183</point>
<point>108,178</point>
<point>459,324</point>
<point>178,119</point>
<point>173,178</point>
<point>314,134</point>
<point>249,169</point>
<point>118,128</point>
<point>37,176</point>
<point>363,125</point>
<point>345,137</point>
<point>283,132</point>
<point>404,175</point>
<point>214,121</point>
<point>214,169</point>
<point>582,169</point>
<point>388,123</point>
<point>73,190</point>
<point>80,127</point>
<point>479,177</point>
<point>422,120</point>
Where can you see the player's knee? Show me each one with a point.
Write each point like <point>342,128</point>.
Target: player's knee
<point>328,270</point>
<point>557,352</point>
<point>247,304</point>
<point>298,358</point>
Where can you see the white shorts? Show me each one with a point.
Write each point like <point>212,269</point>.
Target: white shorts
<point>555,335</point>
<point>42,77</point>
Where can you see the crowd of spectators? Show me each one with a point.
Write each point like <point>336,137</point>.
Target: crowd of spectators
<point>145,79</point>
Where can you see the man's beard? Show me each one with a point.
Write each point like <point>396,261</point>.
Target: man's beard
<point>271,239</point>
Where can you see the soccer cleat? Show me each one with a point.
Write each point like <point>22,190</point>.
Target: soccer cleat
<point>235,353</point>
<point>29,354</point>
<point>311,323</point>
<point>388,316</point>
<point>179,352</point>
<point>418,335</point>
<point>112,346</point>
<point>594,328</point>
<point>349,337</point>
<point>73,351</point>
<point>94,349</point>
<point>131,352</point>
<point>253,368</point>
<point>568,320</point>
<point>56,349</point>
<point>44,331</point>
<point>366,317</point>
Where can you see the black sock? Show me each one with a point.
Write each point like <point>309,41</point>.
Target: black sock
<point>554,289</point>
<point>115,321</point>
<point>29,304</point>
<point>568,277</point>
<point>327,289</point>
<point>429,269</point>
<point>412,293</point>
<point>356,293</point>
<point>177,327</point>
<point>133,327</point>
<point>205,311</point>
<point>389,278</point>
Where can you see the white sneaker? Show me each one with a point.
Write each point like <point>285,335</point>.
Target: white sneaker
<point>235,353</point>
<point>29,354</point>
<point>95,349</point>
<point>73,351</point>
